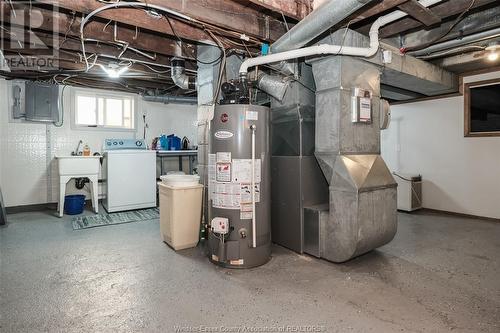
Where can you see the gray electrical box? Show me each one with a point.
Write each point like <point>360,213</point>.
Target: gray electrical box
<point>18,100</point>
<point>42,102</point>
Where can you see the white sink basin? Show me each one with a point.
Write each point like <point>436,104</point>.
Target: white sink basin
<point>78,165</point>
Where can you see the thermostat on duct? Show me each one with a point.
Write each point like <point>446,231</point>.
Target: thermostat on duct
<point>361,106</point>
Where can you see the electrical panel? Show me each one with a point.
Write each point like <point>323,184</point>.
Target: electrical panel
<point>3,63</point>
<point>18,101</point>
<point>220,225</point>
<point>33,101</point>
<point>361,106</point>
<point>42,102</point>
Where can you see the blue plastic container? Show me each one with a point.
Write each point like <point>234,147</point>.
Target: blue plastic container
<point>73,204</point>
<point>174,142</point>
<point>164,142</point>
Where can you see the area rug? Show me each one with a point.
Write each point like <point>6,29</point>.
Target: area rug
<point>99,220</point>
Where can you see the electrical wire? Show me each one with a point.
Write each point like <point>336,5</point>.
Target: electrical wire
<point>437,39</point>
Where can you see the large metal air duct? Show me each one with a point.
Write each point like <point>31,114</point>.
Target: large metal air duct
<point>362,207</point>
<point>329,14</point>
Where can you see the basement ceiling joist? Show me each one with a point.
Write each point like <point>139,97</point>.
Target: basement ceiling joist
<point>419,12</point>
<point>475,22</point>
<point>224,14</point>
<point>377,9</point>
<point>443,10</point>
<point>293,9</point>
<point>68,25</point>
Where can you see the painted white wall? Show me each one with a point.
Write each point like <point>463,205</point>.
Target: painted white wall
<point>459,174</point>
<point>23,146</point>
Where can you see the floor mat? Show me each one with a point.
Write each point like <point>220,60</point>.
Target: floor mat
<point>98,220</point>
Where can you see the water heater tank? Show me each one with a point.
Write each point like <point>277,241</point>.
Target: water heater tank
<point>239,186</point>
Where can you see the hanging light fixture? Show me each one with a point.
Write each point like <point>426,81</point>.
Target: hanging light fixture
<point>114,71</point>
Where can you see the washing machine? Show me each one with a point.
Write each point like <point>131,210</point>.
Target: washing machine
<point>129,175</point>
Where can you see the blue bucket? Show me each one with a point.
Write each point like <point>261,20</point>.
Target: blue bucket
<point>73,204</point>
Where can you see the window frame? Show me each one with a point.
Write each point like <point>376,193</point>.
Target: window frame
<point>100,94</point>
<point>467,110</point>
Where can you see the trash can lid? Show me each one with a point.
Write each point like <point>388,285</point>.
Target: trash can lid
<point>177,180</point>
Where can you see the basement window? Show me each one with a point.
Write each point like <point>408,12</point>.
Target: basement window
<point>482,108</point>
<point>103,110</point>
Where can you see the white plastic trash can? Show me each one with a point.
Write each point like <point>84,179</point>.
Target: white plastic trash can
<point>180,215</point>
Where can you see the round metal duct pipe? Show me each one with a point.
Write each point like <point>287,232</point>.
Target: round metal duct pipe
<point>320,20</point>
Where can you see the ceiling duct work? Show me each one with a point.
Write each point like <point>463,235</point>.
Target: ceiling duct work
<point>170,99</point>
<point>325,48</point>
<point>274,85</point>
<point>475,38</point>
<point>327,15</point>
<point>179,76</point>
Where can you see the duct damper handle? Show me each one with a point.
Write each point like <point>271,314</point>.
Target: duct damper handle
<point>253,128</point>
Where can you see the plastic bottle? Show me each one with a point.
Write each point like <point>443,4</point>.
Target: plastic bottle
<point>86,150</point>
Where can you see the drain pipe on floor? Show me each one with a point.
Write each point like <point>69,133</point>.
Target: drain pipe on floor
<point>332,49</point>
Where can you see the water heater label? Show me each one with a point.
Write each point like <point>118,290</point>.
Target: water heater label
<point>246,193</point>
<point>242,170</point>
<point>252,115</point>
<point>224,157</point>
<point>246,212</point>
<point>223,135</point>
<point>223,172</point>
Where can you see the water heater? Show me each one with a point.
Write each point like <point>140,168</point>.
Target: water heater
<point>239,186</point>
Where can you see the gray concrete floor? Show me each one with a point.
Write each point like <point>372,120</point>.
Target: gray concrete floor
<point>440,274</point>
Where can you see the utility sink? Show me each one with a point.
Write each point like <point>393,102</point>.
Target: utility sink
<point>78,165</point>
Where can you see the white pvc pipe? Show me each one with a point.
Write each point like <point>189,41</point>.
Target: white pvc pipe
<point>253,128</point>
<point>333,49</point>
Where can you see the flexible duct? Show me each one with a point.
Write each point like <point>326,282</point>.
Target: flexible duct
<point>273,85</point>
<point>170,99</point>
<point>179,76</point>
<point>333,49</point>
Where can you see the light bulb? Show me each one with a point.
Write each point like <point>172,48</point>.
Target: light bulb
<point>492,56</point>
<point>113,72</point>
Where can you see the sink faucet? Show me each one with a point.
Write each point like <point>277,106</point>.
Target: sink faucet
<point>77,150</point>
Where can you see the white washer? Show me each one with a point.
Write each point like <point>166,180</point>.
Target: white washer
<point>129,175</point>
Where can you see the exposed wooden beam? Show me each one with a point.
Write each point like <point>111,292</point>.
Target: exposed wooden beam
<point>419,12</point>
<point>377,9</point>
<point>442,10</point>
<point>294,9</point>
<point>68,25</point>
<point>225,14</point>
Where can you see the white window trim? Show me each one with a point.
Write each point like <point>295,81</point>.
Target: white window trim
<point>100,93</point>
